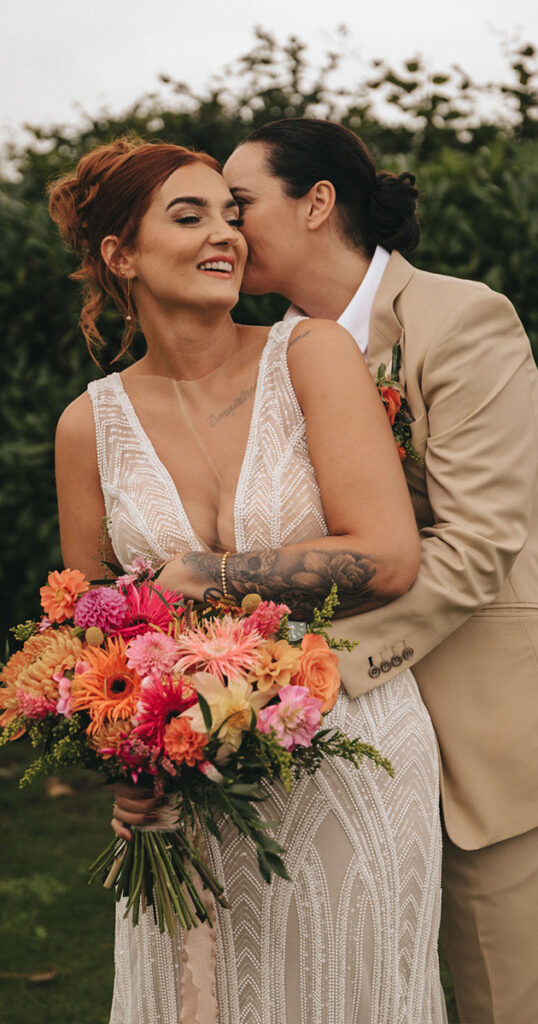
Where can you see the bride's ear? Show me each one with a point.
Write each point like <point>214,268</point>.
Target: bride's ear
<point>116,259</point>
<point>320,201</point>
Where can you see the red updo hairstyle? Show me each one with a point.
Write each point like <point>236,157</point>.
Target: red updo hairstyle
<point>108,194</point>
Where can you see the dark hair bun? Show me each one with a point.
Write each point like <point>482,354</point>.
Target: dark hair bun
<point>374,209</point>
<point>394,211</point>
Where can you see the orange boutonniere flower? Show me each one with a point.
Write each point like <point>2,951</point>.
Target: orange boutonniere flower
<point>397,406</point>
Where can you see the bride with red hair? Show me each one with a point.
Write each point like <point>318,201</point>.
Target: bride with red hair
<point>248,459</point>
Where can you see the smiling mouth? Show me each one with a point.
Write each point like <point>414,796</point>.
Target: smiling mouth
<point>218,268</point>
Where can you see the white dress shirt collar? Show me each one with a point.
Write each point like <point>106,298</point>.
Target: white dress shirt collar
<point>356,315</point>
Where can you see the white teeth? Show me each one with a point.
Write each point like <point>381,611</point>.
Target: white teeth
<point>217,265</point>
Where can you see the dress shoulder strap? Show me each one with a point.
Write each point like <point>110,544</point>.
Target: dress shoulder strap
<point>110,417</point>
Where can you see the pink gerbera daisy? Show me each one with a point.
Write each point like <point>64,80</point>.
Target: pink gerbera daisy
<point>159,701</point>
<point>223,647</point>
<point>149,605</point>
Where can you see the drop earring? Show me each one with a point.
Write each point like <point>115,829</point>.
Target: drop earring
<point>128,315</point>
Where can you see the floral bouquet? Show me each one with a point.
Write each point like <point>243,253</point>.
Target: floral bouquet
<point>202,705</point>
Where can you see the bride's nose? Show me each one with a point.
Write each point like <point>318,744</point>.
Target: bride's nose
<point>223,232</point>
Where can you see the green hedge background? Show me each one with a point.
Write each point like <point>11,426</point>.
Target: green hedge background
<point>478,176</point>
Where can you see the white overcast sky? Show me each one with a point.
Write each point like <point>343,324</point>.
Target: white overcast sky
<point>58,55</point>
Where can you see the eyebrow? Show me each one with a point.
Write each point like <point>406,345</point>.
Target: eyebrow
<point>197,201</point>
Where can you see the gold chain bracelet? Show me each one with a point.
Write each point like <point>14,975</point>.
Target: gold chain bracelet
<point>223,561</point>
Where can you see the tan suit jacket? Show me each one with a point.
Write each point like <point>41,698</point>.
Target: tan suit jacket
<point>471,617</point>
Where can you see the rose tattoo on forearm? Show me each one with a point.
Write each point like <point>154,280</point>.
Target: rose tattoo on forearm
<point>300,579</point>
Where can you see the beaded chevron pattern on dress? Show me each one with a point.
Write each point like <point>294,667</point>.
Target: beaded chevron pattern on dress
<point>352,939</point>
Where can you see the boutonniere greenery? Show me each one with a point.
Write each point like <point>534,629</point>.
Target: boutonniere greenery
<point>397,406</point>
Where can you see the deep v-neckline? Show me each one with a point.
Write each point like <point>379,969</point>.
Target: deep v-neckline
<point>145,442</point>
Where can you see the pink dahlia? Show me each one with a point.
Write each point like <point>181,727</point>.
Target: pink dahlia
<point>104,607</point>
<point>34,706</point>
<point>149,605</point>
<point>267,617</point>
<point>138,570</point>
<point>160,700</point>
<point>152,654</point>
<point>295,718</point>
<point>224,648</point>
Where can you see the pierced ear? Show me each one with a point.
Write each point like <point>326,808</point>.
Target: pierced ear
<point>116,259</point>
<point>321,200</point>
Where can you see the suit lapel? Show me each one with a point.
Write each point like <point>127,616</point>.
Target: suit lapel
<point>385,327</point>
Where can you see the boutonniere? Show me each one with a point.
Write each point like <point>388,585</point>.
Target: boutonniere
<point>397,406</point>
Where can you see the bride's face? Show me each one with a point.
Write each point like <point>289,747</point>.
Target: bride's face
<point>273,222</point>
<point>190,252</point>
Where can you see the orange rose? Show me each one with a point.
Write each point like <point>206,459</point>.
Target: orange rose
<point>318,670</point>
<point>392,401</point>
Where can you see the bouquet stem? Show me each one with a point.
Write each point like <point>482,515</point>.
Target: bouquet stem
<point>155,869</point>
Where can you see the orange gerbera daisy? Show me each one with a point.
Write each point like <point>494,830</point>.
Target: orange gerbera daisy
<point>59,595</point>
<point>32,669</point>
<point>108,689</point>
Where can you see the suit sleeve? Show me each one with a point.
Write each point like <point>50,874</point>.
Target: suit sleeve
<point>481,462</point>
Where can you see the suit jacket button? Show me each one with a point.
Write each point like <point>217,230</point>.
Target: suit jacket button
<point>407,653</point>
<point>396,660</point>
<point>374,671</point>
<point>386,666</point>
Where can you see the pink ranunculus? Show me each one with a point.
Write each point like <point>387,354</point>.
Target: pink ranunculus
<point>104,607</point>
<point>152,654</point>
<point>64,688</point>
<point>267,617</point>
<point>295,718</point>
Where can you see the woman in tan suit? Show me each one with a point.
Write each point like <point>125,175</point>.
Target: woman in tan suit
<point>329,233</point>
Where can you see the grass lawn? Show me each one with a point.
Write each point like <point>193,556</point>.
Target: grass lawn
<point>51,919</point>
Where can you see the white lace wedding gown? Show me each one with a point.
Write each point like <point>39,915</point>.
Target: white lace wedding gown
<point>352,939</point>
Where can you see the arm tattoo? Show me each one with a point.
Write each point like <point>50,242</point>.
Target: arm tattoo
<point>298,338</point>
<point>300,579</point>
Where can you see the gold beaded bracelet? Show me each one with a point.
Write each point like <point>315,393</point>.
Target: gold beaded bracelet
<point>223,561</point>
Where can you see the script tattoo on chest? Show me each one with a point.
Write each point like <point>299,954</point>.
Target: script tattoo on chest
<point>242,397</point>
